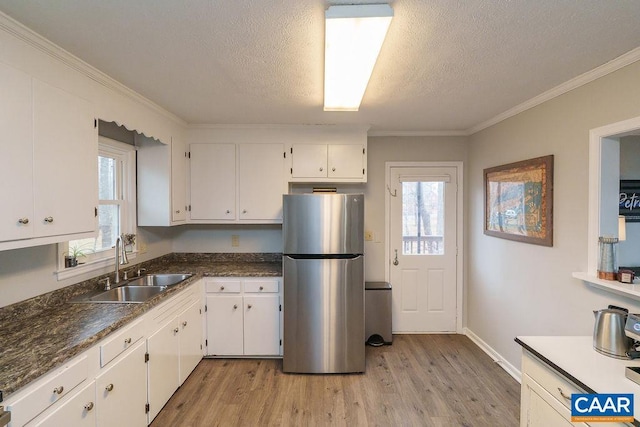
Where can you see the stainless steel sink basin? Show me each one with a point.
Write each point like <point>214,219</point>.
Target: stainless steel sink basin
<point>158,280</point>
<point>128,294</point>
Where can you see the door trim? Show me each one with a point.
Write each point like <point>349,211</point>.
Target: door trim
<point>459,228</point>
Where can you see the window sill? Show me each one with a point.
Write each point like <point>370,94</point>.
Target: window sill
<point>629,290</point>
<point>89,267</point>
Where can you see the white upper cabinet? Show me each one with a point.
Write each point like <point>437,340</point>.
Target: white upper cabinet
<point>328,163</point>
<point>16,148</point>
<point>238,183</point>
<point>161,181</point>
<point>51,180</point>
<point>261,181</point>
<point>65,162</point>
<point>213,182</point>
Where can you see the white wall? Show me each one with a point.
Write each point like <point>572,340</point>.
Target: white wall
<point>217,238</point>
<point>520,289</point>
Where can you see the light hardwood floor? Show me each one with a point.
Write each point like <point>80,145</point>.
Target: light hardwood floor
<point>430,380</point>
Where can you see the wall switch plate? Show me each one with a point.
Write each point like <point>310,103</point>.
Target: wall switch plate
<point>368,236</point>
<point>235,240</point>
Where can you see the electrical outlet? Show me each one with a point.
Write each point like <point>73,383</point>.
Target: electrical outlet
<point>142,247</point>
<point>368,236</point>
<point>235,240</point>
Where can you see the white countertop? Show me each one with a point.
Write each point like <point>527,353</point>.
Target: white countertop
<point>576,357</point>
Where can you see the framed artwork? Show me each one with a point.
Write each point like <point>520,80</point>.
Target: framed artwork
<point>518,201</point>
<point>629,205</point>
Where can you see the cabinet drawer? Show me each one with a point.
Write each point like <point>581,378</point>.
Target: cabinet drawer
<point>223,286</point>
<point>121,341</point>
<point>52,389</point>
<point>261,286</point>
<point>549,379</point>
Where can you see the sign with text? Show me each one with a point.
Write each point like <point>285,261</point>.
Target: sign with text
<point>629,202</point>
<point>602,408</point>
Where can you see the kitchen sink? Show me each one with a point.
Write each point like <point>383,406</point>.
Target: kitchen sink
<point>128,294</point>
<point>158,280</point>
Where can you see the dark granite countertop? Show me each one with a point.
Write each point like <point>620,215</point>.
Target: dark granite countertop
<point>42,333</point>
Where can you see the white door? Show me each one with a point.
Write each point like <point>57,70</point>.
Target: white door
<point>345,161</point>
<point>224,325</point>
<point>190,340</point>
<point>309,161</point>
<point>261,181</point>
<point>213,181</point>
<point>261,325</point>
<point>423,251</point>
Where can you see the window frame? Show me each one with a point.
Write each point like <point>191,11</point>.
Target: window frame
<point>126,157</point>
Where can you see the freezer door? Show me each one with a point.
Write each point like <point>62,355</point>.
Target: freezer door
<point>324,315</point>
<point>323,223</point>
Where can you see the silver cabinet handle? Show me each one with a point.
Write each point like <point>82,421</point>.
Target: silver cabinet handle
<point>395,261</point>
<point>184,324</point>
<point>321,169</point>
<point>24,221</point>
<point>176,330</point>
<point>48,219</point>
<point>563,395</point>
<point>235,306</point>
<point>127,341</point>
<point>88,406</point>
<point>222,288</point>
<point>261,288</point>
<point>58,390</point>
<point>228,211</point>
<point>249,306</point>
<point>109,387</point>
<point>244,211</point>
<point>333,169</point>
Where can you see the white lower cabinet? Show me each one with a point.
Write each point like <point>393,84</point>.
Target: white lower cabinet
<point>174,351</point>
<point>78,411</point>
<point>121,390</point>
<point>545,398</point>
<point>243,317</point>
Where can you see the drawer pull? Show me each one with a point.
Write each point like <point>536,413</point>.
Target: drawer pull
<point>23,221</point>
<point>222,288</point>
<point>184,324</point>
<point>127,341</point>
<point>88,406</point>
<point>58,390</point>
<point>563,395</point>
<point>235,306</point>
<point>249,306</point>
<point>261,288</point>
<point>109,387</point>
<point>48,219</point>
<point>176,330</point>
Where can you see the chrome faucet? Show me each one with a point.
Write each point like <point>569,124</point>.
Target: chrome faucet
<point>120,252</point>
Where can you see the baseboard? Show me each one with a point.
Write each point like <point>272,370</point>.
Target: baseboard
<point>504,364</point>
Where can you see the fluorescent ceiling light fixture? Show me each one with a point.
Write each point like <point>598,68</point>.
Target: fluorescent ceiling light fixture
<point>353,37</point>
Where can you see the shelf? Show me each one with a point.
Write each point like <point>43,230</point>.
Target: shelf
<point>628,290</point>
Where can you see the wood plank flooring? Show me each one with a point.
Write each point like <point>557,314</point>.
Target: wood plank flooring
<point>420,380</point>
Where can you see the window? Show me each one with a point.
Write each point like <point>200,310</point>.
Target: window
<point>116,206</point>
<point>423,218</point>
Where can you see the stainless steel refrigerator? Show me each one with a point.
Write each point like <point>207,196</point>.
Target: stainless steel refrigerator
<point>323,265</point>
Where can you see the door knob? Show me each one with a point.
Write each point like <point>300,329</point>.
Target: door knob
<point>109,387</point>
<point>395,261</point>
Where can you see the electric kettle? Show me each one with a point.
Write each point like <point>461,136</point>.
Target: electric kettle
<point>609,337</point>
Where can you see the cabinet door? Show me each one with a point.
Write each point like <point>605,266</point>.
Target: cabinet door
<point>261,325</point>
<point>190,339</point>
<point>16,148</point>
<point>538,408</point>
<point>224,325</point>
<point>162,368</point>
<point>178,180</point>
<point>121,390</point>
<point>213,181</point>
<point>65,162</point>
<point>261,181</point>
<point>79,411</point>
<point>309,161</point>
<point>346,161</point>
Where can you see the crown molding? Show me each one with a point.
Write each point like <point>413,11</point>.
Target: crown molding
<point>37,41</point>
<point>581,80</point>
<point>280,126</point>
<point>418,133</point>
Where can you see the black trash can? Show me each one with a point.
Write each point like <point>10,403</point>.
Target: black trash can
<point>377,317</point>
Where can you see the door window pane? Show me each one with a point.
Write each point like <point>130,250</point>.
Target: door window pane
<point>423,218</point>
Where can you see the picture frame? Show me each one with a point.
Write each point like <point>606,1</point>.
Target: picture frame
<point>629,200</point>
<point>518,201</point>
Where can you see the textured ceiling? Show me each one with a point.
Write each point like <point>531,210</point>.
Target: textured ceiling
<point>446,65</point>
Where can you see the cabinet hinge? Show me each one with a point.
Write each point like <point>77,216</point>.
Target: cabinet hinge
<point>291,171</point>
<point>189,208</point>
<point>146,408</point>
<point>205,308</point>
<point>95,211</point>
<point>95,123</point>
<point>185,154</point>
<point>200,310</point>
<point>189,154</point>
<point>200,346</point>
<point>146,357</point>
<point>280,342</point>
<point>206,342</point>
<point>363,151</point>
<point>291,150</point>
<point>285,154</point>
<point>362,171</point>
<point>280,307</point>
